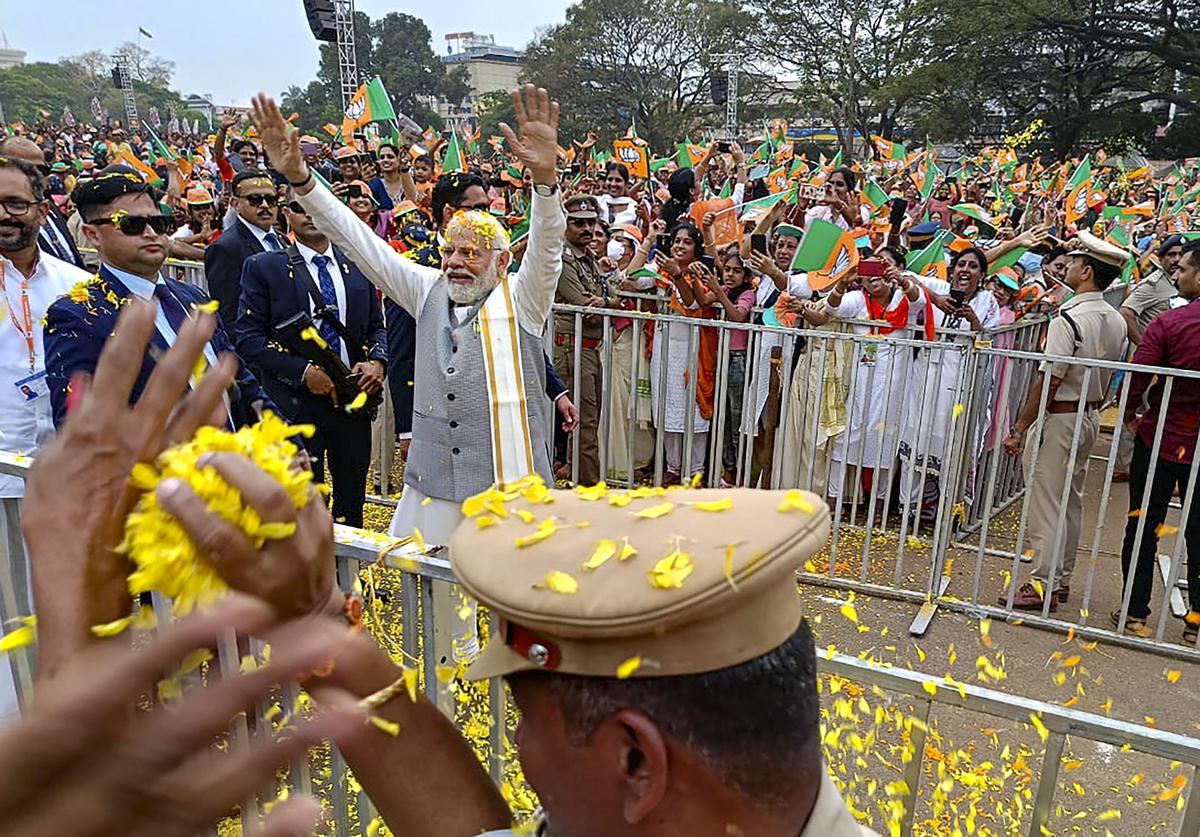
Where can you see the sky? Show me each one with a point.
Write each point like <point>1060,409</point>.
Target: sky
<point>234,48</point>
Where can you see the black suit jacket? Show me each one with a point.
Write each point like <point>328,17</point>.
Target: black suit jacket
<point>223,260</point>
<point>270,295</point>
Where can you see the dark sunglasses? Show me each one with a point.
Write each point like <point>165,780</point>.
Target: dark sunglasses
<point>259,200</point>
<point>136,224</point>
<point>482,206</point>
<point>295,206</point>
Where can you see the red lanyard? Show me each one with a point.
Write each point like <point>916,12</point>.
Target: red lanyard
<point>27,315</point>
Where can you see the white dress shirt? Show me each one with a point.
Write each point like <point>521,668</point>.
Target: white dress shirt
<point>25,425</point>
<point>339,285</point>
<point>261,234</point>
<point>408,284</point>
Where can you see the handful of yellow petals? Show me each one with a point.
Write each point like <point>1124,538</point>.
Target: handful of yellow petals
<point>164,555</point>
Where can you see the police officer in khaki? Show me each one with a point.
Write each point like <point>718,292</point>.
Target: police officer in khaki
<point>664,688</point>
<point>1085,327</point>
<point>580,284</point>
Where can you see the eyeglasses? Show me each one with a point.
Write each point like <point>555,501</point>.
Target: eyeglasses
<point>15,206</point>
<point>259,200</point>
<point>295,206</point>
<point>136,224</point>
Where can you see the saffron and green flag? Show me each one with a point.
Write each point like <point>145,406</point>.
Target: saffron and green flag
<point>826,253</point>
<point>370,104</point>
<point>453,161</point>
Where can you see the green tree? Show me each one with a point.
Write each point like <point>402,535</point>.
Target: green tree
<point>614,63</point>
<point>493,108</point>
<point>397,48</point>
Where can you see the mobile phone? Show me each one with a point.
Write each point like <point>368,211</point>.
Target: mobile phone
<point>723,148</point>
<point>354,192</point>
<point>758,243</point>
<point>872,267</point>
<point>899,207</point>
<point>958,297</point>
<point>663,243</point>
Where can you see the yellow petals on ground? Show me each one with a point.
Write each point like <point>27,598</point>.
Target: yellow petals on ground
<point>604,550</point>
<point>627,668</point>
<point>545,529</point>
<point>849,612</point>
<point>619,500</point>
<point>390,727</point>
<point>560,582</point>
<point>672,571</point>
<point>209,307</point>
<point>1164,530</point>
<point>724,504</point>
<point>357,403</point>
<point>654,512</point>
<point>795,501</point>
<point>1172,676</point>
<point>112,628</point>
<point>1035,718</point>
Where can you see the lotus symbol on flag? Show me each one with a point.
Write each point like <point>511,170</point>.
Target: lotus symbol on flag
<point>356,108</point>
<point>1081,199</point>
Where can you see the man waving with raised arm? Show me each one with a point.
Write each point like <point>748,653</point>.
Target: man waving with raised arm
<point>477,418</point>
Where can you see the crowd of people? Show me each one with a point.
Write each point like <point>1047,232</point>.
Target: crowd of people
<point>336,270</point>
<point>351,237</point>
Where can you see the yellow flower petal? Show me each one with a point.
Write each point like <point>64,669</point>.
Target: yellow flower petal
<point>357,403</point>
<point>194,660</point>
<point>486,520</point>
<point>627,550</point>
<point>795,500</point>
<point>653,512</point>
<point>143,477</point>
<point>112,628</point>
<point>604,550</point>
<point>627,668</point>
<point>593,492</point>
<point>17,638</point>
<point>526,515</point>
<point>619,500</point>
<point>390,727</point>
<point>723,504</point>
<point>561,582</point>
<point>545,529</point>
<point>313,336</point>
<point>672,571</point>
<point>209,307</point>
<point>410,683</point>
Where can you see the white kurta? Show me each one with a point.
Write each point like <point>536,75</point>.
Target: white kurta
<point>929,406</point>
<point>880,379</point>
<point>674,379</point>
<point>761,386</point>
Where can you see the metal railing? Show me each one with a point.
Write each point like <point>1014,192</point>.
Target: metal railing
<point>431,619</point>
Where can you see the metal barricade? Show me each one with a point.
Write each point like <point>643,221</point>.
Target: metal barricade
<point>183,270</point>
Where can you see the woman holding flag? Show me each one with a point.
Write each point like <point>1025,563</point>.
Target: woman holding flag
<point>962,306</point>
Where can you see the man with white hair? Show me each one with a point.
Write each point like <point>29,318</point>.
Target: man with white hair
<point>477,418</point>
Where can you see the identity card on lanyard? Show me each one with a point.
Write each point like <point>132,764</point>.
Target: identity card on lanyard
<point>34,385</point>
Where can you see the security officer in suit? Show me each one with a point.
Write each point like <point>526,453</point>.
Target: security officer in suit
<point>307,275</point>
<point>122,220</point>
<point>1086,327</point>
<point>580,283</point>
<point>255,200</point>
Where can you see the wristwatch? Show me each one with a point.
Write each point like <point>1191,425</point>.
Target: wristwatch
<point>545,190</point>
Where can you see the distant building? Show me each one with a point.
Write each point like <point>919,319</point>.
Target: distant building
<point>489,67</point>
<point>9,56</point>
<point>202,105</point>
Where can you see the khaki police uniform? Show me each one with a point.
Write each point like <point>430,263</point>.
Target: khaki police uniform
<point>1086,327</point>
<point>556,616</point>
<point>579,281</point>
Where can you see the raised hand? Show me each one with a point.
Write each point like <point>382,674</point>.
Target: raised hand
<point>537,122</point>
<point>279,139</point>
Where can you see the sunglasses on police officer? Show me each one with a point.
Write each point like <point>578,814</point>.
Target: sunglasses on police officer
<point>136,224</point>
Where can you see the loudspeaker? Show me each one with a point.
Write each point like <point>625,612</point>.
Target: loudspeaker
<point>322,19</point>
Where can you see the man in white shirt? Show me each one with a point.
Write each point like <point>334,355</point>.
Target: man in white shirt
<point>30,280</point>
<point>475,414</point>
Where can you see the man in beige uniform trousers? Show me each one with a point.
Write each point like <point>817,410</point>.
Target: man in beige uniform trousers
<point>1086,327</point>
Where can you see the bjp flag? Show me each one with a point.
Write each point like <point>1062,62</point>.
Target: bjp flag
<point>635,157</point>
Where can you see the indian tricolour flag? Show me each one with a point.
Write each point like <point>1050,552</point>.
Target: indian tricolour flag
<point>370,104</point>
<point>827,253</point>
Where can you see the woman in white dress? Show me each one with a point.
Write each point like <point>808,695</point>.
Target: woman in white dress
<point>877,398</point>
<point>671,379</point>
<point>964,307</point>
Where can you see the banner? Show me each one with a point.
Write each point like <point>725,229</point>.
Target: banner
<point>635,157</point>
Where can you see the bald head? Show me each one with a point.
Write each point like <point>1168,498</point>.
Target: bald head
<point>22,148</point>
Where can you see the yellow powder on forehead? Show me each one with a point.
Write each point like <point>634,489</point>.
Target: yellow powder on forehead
<point>478,227</point>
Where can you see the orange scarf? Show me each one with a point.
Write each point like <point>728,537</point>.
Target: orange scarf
<point>897,318</point>
<point>706,377</point>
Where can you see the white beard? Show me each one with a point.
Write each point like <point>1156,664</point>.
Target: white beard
<point>469,294</point>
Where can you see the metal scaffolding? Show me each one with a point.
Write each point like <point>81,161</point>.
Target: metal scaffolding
<point>347,54</point>
<point>733,63</point>
<point>126,78</point>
